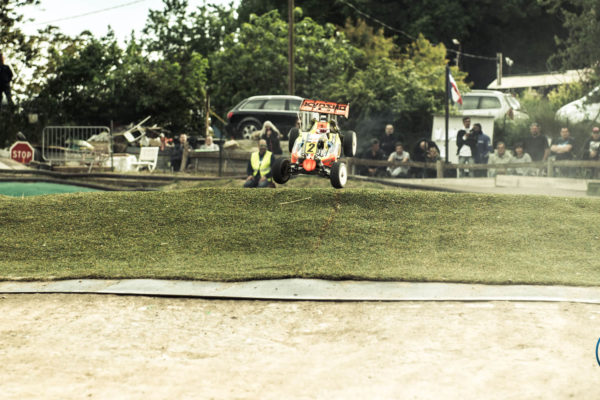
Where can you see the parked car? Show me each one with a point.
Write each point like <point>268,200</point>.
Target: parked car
<point>580,110</point>
<point>491,103</point>
<point>250,114</point>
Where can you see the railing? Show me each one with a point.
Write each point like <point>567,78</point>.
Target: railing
<point>437,168</point>
<point>78,145</point>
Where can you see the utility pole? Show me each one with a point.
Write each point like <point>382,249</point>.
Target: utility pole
<point>498,69</point>
<point>291,47</point>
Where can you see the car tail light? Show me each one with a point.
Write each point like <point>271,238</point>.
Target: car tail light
<point>229,114</point>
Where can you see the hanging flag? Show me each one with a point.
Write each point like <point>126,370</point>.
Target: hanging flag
<point>453,88</point>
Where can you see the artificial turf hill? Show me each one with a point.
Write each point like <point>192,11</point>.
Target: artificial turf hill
<point>235,234</point>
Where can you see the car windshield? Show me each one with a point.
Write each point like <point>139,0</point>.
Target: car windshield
<point>513,102</point>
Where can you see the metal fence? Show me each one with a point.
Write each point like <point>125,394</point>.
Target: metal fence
<point>76,145</point>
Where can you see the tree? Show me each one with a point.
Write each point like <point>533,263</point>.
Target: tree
<point>174,33</point>
<point>93,81</point>
<point>254,60</point>
<point>406,90</point>
<point>580,48</point>
<point>521,29</point>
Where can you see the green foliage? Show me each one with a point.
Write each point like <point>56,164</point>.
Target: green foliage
<point>406,90</point>
<point>564,94</point>
<point>254,60</point>
<point>174,33</point>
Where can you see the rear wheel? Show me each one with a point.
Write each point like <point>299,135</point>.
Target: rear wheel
<point>281,170</point>
<point>293,135</point>
<point>349,143</point>
<point>339,175</point>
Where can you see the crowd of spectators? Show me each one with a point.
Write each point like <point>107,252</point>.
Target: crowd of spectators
<point>475,147</point>
<point>536,148</point>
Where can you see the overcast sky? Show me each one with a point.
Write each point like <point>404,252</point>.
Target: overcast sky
<point>122,15</point>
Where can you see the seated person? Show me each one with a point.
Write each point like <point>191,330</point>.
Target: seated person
<point>374,153</point>
<point>209,145</point>
<point>259,169</point>
<point>422,153</point>
<point>522,157</point>
<point>399,156</point>
<point>500,156</point>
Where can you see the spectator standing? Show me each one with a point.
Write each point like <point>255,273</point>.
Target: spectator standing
<point>500,156</point>
<point>466,146</point>
<point>484,147</point>
<point>562,149</point>
<point>259,167</point>
<point>522,157</point>
<point>399,156</point>
<point>270,134</point>
<point>177,153</point>
<point>591,151</point>
<point>387,141</point>
<point>209,145</point>
<point>536,145</point>
<point>6,76</point>
<point>374,153</point>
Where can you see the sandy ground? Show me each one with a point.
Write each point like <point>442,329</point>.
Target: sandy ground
<point>113,347</point>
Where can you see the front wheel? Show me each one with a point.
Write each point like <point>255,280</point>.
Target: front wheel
<point>349,143</point>
<point>339,175</point>
<point>281,170</point>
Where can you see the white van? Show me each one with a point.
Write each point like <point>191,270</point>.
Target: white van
<point>578,111</point>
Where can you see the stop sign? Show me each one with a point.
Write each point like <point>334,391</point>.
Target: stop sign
<point>21,152</point>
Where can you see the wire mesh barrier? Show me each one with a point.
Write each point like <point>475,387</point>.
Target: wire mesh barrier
<point>76,145</point>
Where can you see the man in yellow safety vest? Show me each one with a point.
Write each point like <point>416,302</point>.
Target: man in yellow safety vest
<point>259,167</point>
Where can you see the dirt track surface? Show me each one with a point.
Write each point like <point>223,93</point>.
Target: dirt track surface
<point>111,347</point>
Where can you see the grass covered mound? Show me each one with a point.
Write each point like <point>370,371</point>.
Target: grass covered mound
<point>235,234</point>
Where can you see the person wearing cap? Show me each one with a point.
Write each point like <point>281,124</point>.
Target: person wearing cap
<point>259,167</point>
<point>373,153</point>
<point>591,150</point>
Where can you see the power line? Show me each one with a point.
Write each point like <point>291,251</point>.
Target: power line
<point>377,20</point>
<point>91,12</point>
<point>408,35</point>
<point>471,55</point>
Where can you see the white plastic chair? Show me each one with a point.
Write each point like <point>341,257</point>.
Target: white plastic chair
<point>148,158</point>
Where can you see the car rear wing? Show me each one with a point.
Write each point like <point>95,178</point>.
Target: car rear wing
<point>324,107</point>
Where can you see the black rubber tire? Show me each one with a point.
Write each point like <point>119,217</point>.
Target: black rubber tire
<point>281,170</point>
<point>246,128</point>
<point>339,175</point>
<point>293,135</point>
<point>349,143</point>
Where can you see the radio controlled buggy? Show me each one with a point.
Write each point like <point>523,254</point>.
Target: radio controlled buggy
<point>317,151</point>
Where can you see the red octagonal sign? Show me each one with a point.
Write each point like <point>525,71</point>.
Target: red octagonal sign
<point>21,152</point>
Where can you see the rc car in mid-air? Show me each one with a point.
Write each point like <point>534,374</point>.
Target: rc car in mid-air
<point>317,151</point>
